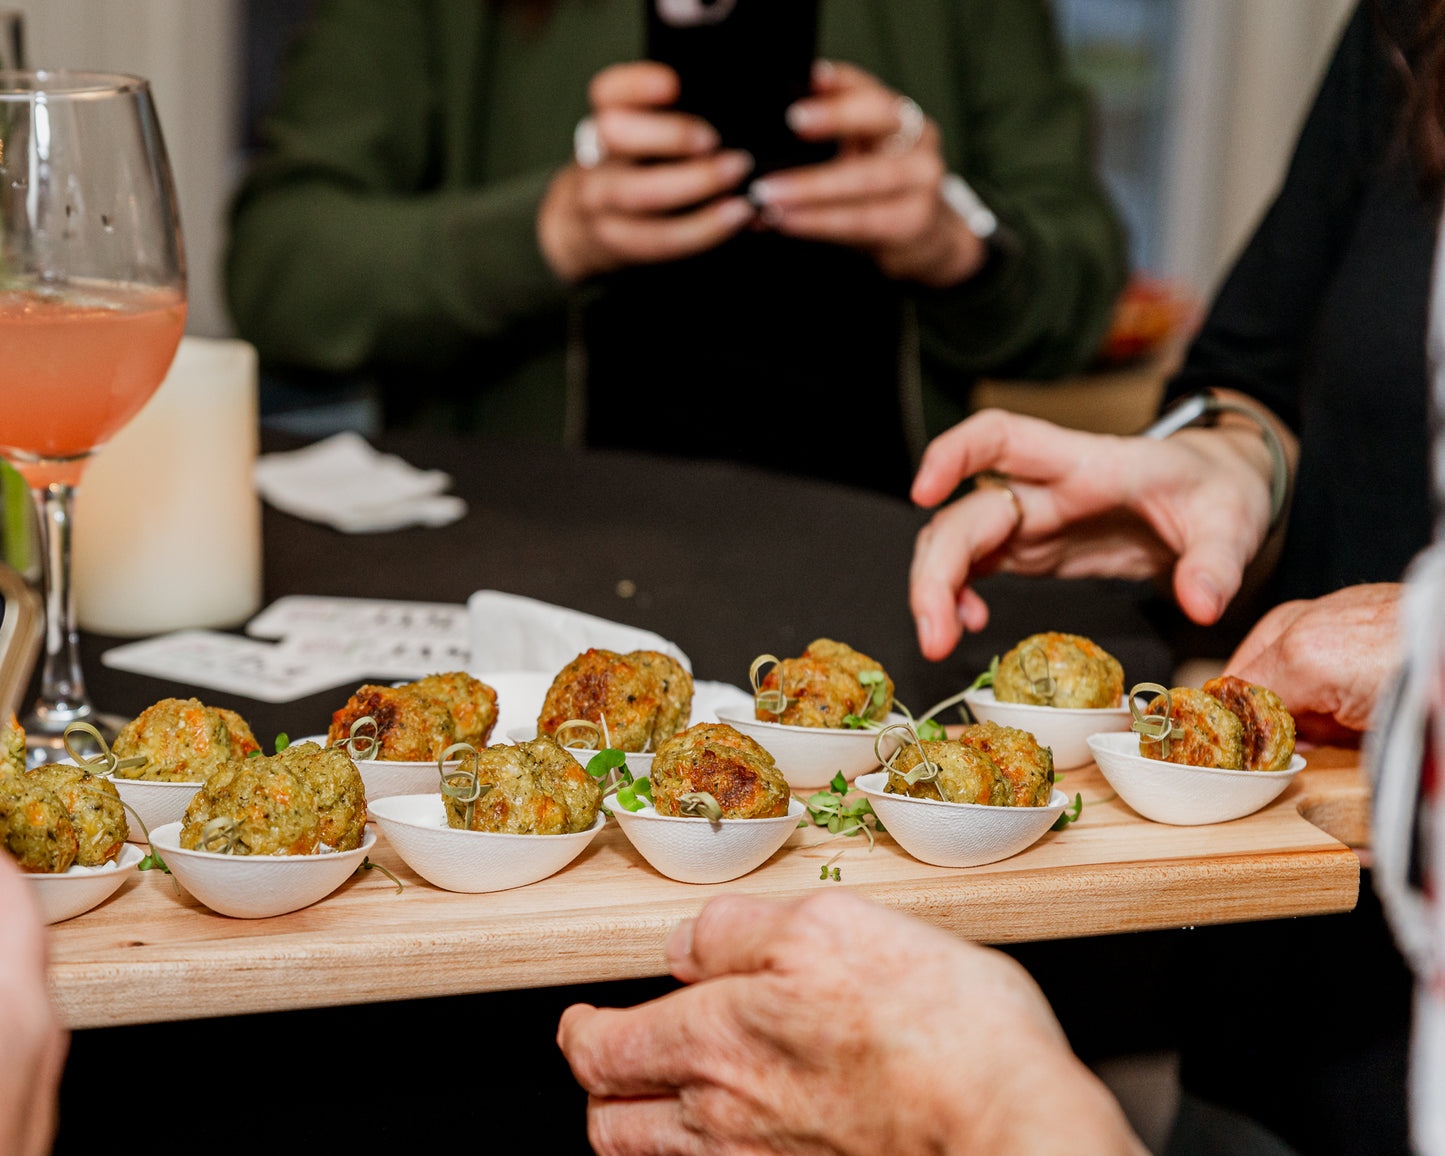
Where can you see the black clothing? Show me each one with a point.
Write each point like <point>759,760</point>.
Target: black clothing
<point>1323,319</point>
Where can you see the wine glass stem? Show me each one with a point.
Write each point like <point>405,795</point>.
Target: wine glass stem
<point>62,698</point>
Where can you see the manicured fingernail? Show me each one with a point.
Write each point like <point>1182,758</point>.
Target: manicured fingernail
<point>822,71</point>
<point>679,943</point>
<point>736,210</point>
<point>762,192</point>
<point>802,116</point>
<point>925,629</point>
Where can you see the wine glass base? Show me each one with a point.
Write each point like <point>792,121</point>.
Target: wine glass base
<point>44,743</point>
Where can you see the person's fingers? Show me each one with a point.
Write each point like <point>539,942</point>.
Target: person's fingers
<point>1262,636</point>
<point>638,84</point>
<point>872,224</point>
<point>647,240</point>
<point>1218,542</point>
<point>944,557</point>
<point>636,133</point>
<point>649,1050</point>
<point>851,179</point>
<point>993,439</point>
<point>663,188</point>
<point>733,934</point>
<point>641,1127</point>
<point>856,108</point>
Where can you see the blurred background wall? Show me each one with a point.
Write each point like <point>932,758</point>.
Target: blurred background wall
<point>1198,103</point>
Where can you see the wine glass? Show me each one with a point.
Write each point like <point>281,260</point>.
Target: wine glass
<point>92,306</point>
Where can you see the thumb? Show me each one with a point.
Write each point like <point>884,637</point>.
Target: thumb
<point>1208,574</point>
<point>733,934</point>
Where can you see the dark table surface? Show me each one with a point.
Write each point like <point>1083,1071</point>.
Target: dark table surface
<point>729,562</point>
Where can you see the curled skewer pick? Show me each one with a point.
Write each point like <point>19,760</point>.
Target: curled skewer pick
<point>593,740</point>
<point>1154,728</point>
<point>470,788</point>
<point>1043,684</point>
<point>925,772</point>
<point>773,701</point>
<point>363,746</point>
<point>105,763</point>
<point>701,804</point>
<point>221,836</point>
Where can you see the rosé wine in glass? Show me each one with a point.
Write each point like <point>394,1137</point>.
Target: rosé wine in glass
<point>92,306</point>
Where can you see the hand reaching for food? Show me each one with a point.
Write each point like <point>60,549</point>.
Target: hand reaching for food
<point>1326,658</point>
<point>836,1026</point>
<point>1085,505</point>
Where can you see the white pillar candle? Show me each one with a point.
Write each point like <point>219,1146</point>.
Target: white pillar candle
<point>167,521</point>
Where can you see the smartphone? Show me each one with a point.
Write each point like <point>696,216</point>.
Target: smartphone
<point>742,63</point>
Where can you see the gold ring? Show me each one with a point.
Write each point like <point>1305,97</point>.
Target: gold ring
<point>993,480</point>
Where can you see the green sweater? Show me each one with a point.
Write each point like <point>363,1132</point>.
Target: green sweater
<point>391,226</point>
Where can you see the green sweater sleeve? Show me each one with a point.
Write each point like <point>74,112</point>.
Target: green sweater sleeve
<point>363,237</point>
<point>1024,141</point>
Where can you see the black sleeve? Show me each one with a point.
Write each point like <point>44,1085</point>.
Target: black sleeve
<point>1262,319</point>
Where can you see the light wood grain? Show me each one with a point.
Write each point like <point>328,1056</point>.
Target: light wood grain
<point>152,953</point>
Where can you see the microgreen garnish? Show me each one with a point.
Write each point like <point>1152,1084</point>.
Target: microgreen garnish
<point>986,677</point>
<point>603,763</point>
<point>281,743</point>
<point>368,865</point>
<point>1069,814</point>
<point>153,862</point>
<point>842,816</point>
<point>879,682</point>
<point>628,793</point>
<point>837,871</point>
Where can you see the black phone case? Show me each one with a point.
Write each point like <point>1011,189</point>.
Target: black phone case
<point>742,63</point>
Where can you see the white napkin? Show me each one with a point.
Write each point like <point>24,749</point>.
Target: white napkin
<point>345,483</point>
<point>509,632</point>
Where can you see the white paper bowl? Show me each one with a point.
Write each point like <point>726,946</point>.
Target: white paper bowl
<point>76,891</point>
<point>257,886</point>
<point>1064,730</point>
<point>1185,796</point>
<point>809,757</point>
<point>638,762</point>
<point>693,850</point>
<point>156,803</point>
<point>959,834</point>
<point>472,861</point>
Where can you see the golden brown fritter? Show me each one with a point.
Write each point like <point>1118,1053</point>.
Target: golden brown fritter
<point>1028,767</point>
<point>35,828</point>
<point>340,793</point>
<point>12,747</point>
<point>965,775</point>
<point>472,703</point>
<point>566,781</point>
<point>675,690</point>
<point>274,811</point>
<point>409,727</point>
<point>822,687</point>
<point>1213,736</point>
<point>1085,675</point>
<point>516,797</point>
<point>183,740</point>
<point>603,685</point>
<point>94,807</point>
<point>728,765</point>
<point>1268,727</point>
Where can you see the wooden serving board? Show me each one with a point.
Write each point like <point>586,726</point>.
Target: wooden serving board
<point>152,953</point>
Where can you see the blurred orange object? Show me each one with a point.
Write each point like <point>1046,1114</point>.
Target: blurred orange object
<point>1148,313</point>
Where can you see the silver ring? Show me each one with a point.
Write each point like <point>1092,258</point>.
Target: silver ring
<point>587,147</point>
<point>910,125</point>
